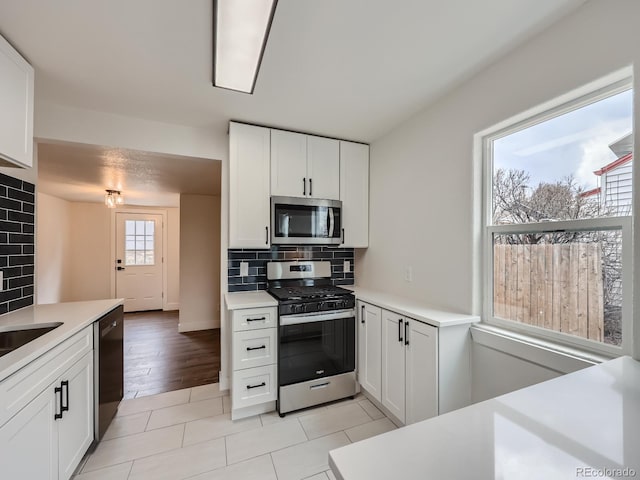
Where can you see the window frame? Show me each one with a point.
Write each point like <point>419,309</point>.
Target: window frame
<point>589,94</point>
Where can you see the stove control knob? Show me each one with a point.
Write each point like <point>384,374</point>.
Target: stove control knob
<point>297,308</point>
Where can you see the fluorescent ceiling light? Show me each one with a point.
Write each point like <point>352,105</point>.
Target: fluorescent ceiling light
<point>241,28</point>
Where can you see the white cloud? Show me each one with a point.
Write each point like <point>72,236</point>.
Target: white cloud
<point>596,152</point>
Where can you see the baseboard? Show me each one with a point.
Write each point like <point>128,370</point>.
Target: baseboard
<point>195,326</point>
<point>171,306</point>
<point>223,380</point>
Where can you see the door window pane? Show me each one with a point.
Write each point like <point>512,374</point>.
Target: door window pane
<point>139,242</point>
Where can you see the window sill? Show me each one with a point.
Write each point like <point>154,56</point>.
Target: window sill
<point>553,356</point>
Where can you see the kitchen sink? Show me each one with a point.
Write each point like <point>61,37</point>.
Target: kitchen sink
<point>15,336</point>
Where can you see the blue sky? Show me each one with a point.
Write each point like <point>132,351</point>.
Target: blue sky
<point>574,143</point>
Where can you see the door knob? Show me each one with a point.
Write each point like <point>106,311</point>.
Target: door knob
<point>119,268</point>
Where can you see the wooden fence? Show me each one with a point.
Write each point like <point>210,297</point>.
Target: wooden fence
<point>558,287</point>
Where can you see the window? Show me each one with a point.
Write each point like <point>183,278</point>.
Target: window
<point>558,220</point>
<point>139,242</point>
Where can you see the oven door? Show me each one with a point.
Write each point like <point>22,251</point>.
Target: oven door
<point>305,221</point>
<point>313,346</point>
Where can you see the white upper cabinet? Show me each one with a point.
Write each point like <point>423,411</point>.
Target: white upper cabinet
<point>16,108</point>
<point>354,193</point>
<point>304,166</point>
<point>249,209</point>
<point>323,167</point>
<point>289,164</point>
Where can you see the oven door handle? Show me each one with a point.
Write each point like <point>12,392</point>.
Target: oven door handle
<point>316,317</point>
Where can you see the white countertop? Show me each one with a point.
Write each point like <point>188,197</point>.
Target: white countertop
<point>585,420</point>
<point>255,299</point>
<point>74,317</point>
<point>411,308</point>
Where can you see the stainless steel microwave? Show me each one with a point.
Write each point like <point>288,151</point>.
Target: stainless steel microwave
<point>305,221</point>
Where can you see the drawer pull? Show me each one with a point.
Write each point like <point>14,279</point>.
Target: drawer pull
<point>256,348</point>
<point>249,387</point>
<point>320,385</point>
<point>260,319</point>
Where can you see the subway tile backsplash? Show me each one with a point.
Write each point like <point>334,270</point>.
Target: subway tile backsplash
<point>17,227</point>
<point>257,259</point>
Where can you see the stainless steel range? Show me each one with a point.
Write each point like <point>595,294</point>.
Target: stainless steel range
<point>316,335</point>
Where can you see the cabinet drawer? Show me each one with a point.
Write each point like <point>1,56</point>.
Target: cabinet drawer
<point>24,385</point>
<point>253,386</point>
<point>254,318</point>
<point>254,348</point>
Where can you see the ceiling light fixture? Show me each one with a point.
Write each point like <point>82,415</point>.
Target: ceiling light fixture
<point>113,198</point>
<point>240,32</point>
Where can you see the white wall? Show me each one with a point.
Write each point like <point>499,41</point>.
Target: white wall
<point>69,124</point>
<point>75,245</point>
<point>199,262</point>
<point>422,173</point>
<point>53,243</point>
<point>173,255</point>
<point>90,244</point>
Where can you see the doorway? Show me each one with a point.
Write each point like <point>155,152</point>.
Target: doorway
<point>139,260</point>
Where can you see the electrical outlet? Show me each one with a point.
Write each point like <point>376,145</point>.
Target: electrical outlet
<point>244,269</point>
<point>347,266</point>
<point>408,274</point>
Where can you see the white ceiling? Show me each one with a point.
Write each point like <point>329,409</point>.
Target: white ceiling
<point>350,69</point>
<point>81,173</point>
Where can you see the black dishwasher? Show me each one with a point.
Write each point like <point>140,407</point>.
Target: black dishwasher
<point>108,335</point>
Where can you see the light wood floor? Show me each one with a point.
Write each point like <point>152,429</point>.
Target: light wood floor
<point>157,358</point>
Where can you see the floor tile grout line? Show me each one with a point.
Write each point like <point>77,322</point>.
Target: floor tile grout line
<point>130,470</point>
<point>275,470</point>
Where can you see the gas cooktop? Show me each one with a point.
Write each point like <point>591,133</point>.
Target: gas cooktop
<point>303,293</point>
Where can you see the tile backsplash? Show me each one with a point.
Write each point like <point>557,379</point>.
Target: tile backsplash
<point>257,259</point>
<point>17,227</point>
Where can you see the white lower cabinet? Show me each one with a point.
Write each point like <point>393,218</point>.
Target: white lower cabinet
<point>421,371</point>
<point>414,370</point>
<point>254,357</point>
<point>409,368</point>
<point>75,428</point>
<point>369,348</point>
<point>393,364</point>
<point>50,435</point>
<point>27,441</point>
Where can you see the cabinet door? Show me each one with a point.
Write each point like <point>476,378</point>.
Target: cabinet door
<point>289,164</point>
<point>393,368</point>
<point>369,353</point>
<point>354,193</point>
<point>249,205</point>
<point>16,114</point>
<point>323,167</point>
<point>422,372</point>
<point>28,441</point>
<point>75,429</point>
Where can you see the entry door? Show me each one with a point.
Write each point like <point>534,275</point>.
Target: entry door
<point>139,261</point>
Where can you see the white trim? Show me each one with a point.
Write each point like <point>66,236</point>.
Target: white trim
<point>194,326</point>
<point>546,354</point>
<point>603,87</point>
<point>607,86</point>
<point>171,306</point>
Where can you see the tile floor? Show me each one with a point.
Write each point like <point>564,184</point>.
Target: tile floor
<point>189,434</point>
